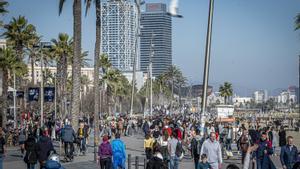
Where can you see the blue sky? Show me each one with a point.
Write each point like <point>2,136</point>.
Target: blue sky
<point>254,45</point>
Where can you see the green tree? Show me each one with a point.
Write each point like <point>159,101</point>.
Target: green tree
<point>226,91</point>
<point>33,54</point>
<point>76,61</point>
<point>18,33</point>
<point>111,80</point>
<point>175,79</point>
<point>9,65</point>
<point>62,50</point>
<point>3,5</point>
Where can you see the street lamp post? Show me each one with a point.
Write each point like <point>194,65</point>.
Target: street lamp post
<point>55,100</point>
<point>150,67</point>
<point>207,62</point>
<point>41,46</point>
<point>14,95</point>
<point>42,87</point>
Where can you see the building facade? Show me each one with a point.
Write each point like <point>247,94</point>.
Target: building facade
<point>156,38</point>
<point>259,96</point>
<point>118,33</point>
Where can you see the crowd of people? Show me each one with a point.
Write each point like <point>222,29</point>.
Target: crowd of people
<point>168,139</point>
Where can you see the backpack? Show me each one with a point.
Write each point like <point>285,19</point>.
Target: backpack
<point>179,149</point>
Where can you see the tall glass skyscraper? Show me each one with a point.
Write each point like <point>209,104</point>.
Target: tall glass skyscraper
<point>118,33</point>
<point>156,28</point>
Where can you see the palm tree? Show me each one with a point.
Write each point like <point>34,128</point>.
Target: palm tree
<point>9,64</point>
<point>96,66</point>
<point>297,22</point>
<point>226,91</point>
<point>174,78</point>
<point>62,50</point>
<point>105,66</point>
<point>85,81</point>
<point>3,5</point>
<point>33,54</point>
<point>104,62</point>
<point>110,80</point>
<point>76,59</point>
<point>49,78</point>
<point>18,33</point>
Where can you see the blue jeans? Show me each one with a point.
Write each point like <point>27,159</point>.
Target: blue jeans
<point>1,161</point>
<point>174,162</point>
<point>83,145</point>
<point>228,144</point>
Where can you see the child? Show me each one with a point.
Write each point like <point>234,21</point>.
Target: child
<point>148,142</point>
<point>204,164</point>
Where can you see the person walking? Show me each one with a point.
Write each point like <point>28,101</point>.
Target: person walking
<point>2,148</point>
<point>105,154</point>
<point>157,161</point>
<point>211,147</point>
<point>196,145</point>
<point>172,148</point>
<point>31,155</point>
<point>44,146</point>
<point>229,138</point>
<point>148,145</point>
<point>289,154</point>
<point>244,143</point>
<point>22,139</point>
<point>68,137</point>
<point>164,146</point>
<point>81,135</point>
<point>119,152</point>
<point>263,152</point>
<point>282,137</point>
<point>146,127</point>
<point>274,140</point>
<point>203,164</point>
<point>106,131</point>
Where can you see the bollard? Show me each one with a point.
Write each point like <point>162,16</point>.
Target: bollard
<point>136,162</point>
<point>129,161</point>
<point>145,163</point>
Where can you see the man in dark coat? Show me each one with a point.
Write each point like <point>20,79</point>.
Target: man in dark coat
<point>282,137</point>
<point>31,152</point>
<point>44,146</point>
<point>68,137</point>
<point>196,145</point>
<point>263,153</point>
<point>288,154</point>
<point>146,127</point>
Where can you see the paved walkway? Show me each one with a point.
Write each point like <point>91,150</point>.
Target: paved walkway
<point>134,146</point>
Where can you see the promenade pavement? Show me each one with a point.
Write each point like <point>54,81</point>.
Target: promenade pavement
<point>134,146</point>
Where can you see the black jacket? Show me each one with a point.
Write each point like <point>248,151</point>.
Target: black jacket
<point>282,138</point>
<point>156,163</point>
<point>31,148</point>
<point>44,147</point>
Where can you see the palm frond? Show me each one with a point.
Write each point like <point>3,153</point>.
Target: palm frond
<point>61,5</point>
<point>297,22</point>
<point>88,5</point>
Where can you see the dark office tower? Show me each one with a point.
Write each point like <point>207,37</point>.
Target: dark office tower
<point>156,29</point>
